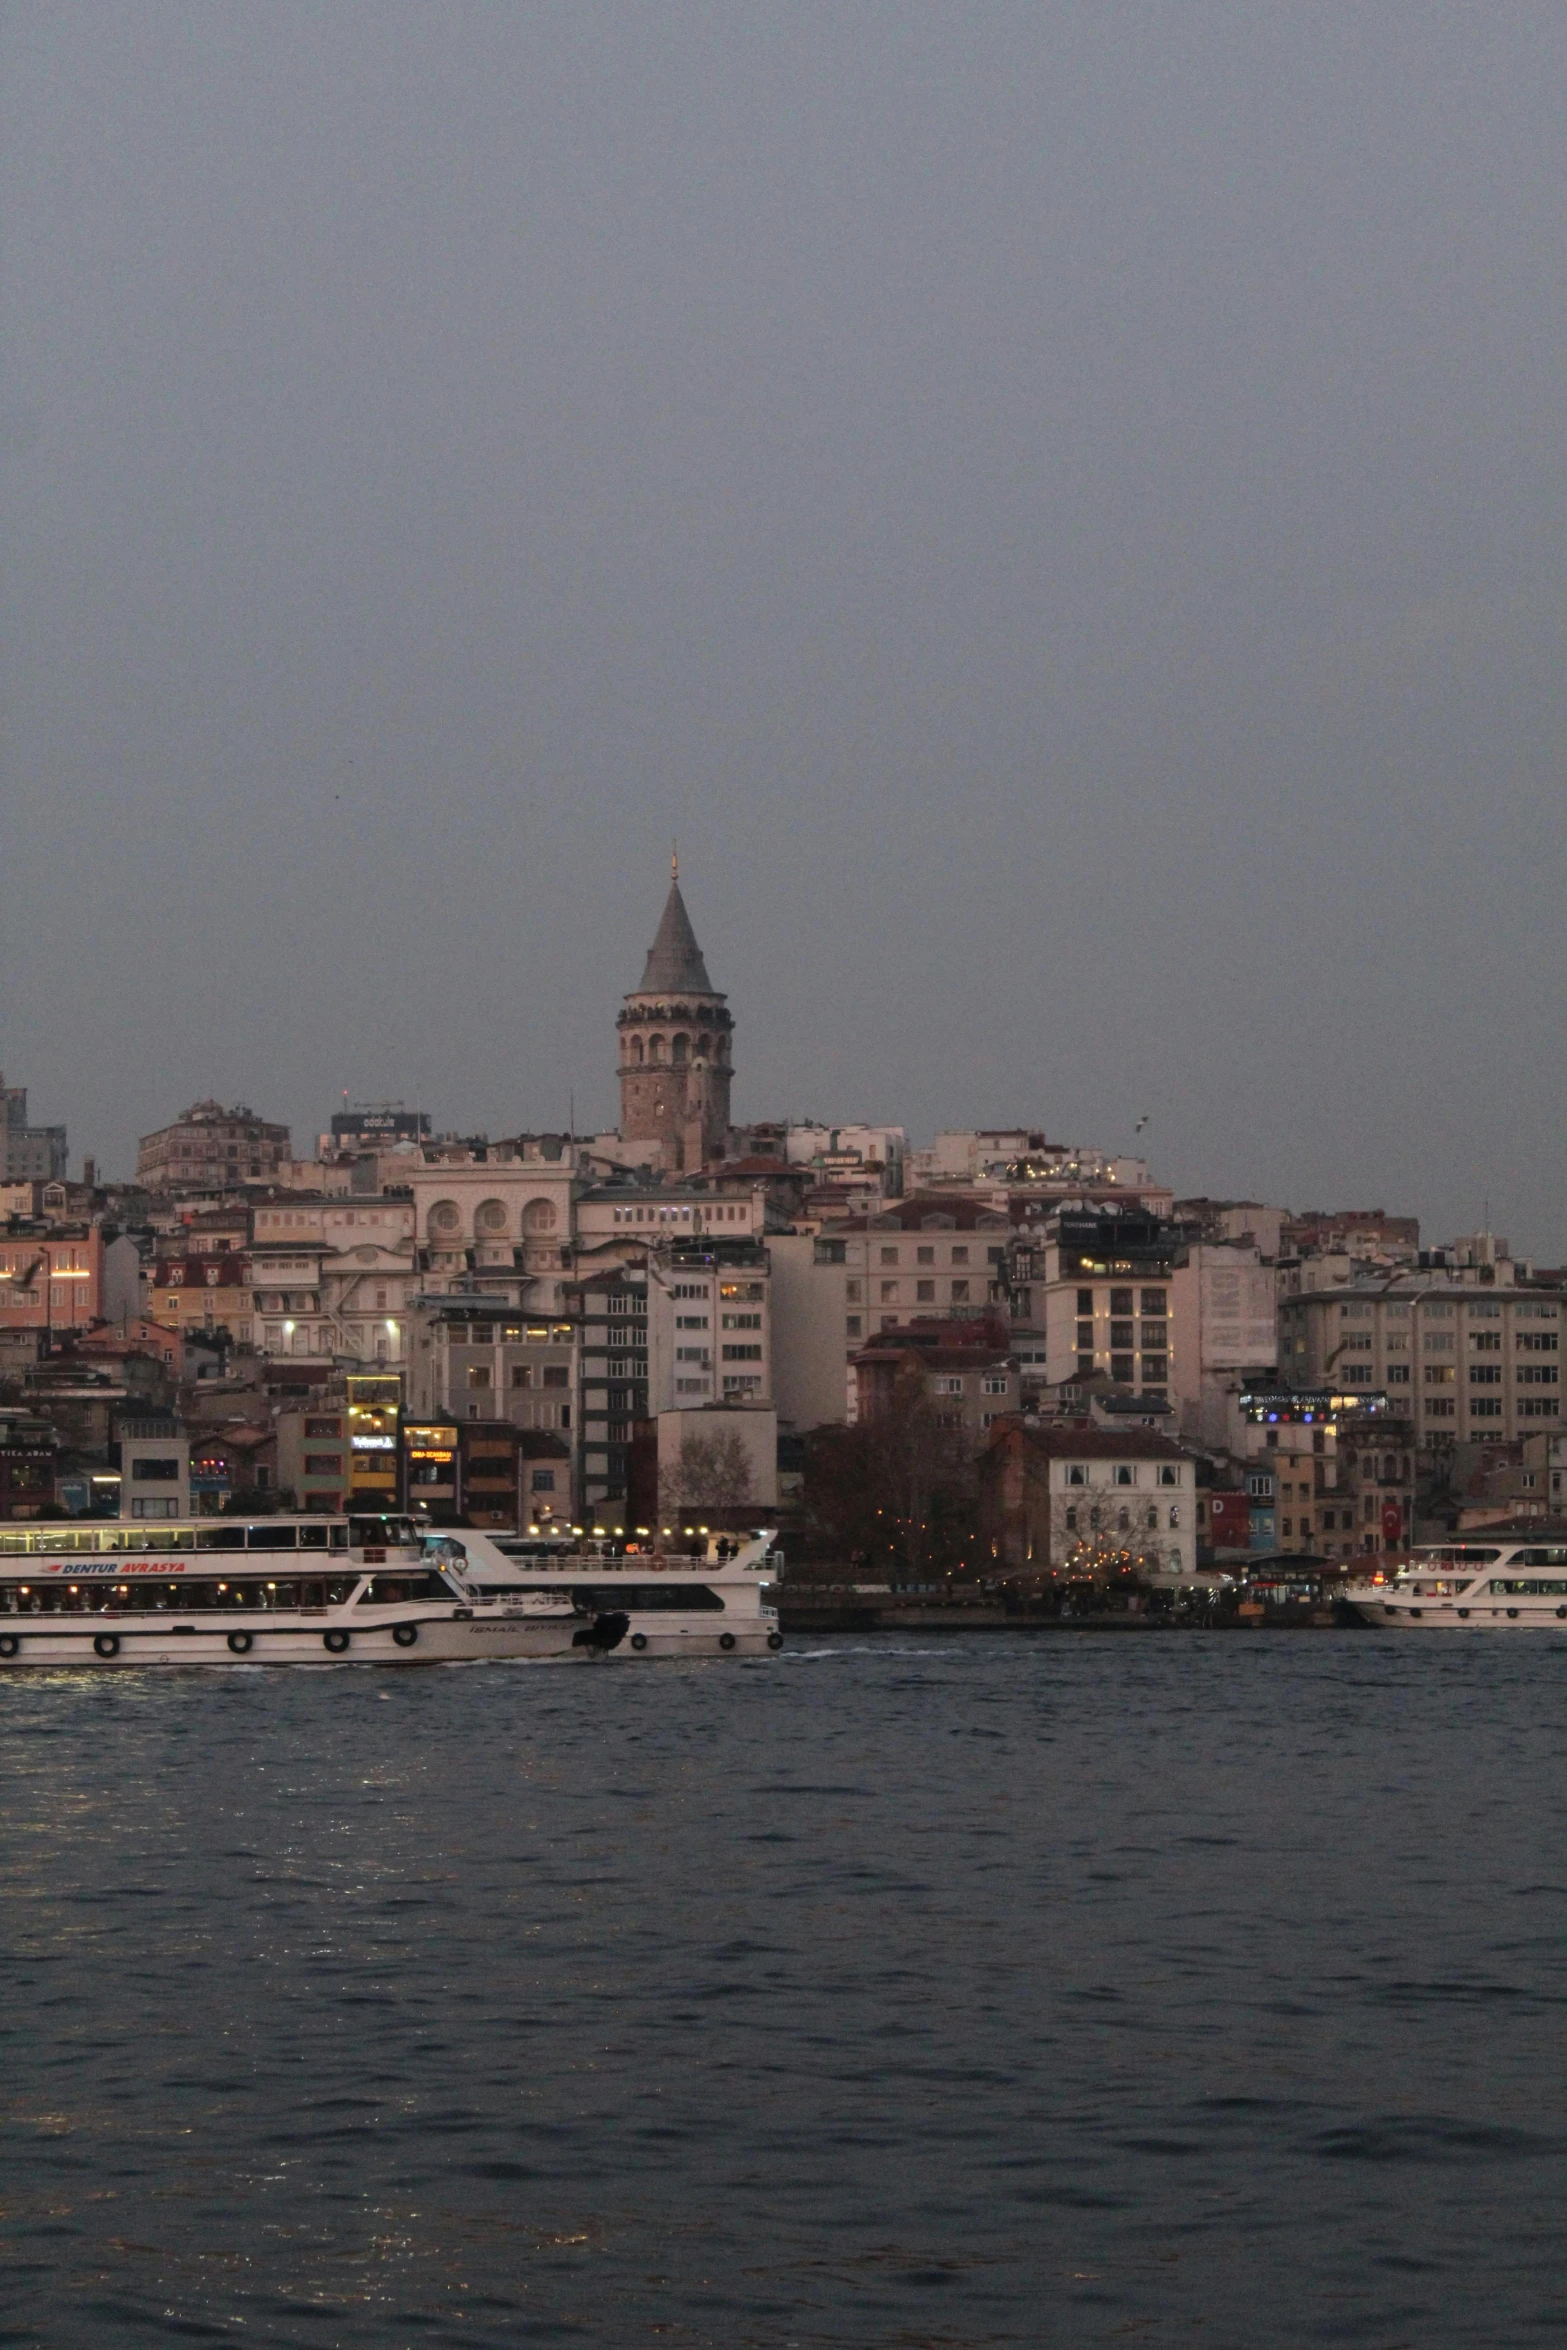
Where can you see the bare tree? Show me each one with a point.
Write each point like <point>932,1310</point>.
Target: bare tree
<point>712,1472</point>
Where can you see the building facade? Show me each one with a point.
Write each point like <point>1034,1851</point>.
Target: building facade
<point>211,1148</point>
<point>1460,1360</point>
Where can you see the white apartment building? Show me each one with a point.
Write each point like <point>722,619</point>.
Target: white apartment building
<point>1457,1359</point>
<point>709,1333</point>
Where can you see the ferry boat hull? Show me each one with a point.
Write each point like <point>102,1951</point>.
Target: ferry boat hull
<point>106,1645</point>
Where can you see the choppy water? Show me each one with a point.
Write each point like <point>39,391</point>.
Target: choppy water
<point>1007,1990</point>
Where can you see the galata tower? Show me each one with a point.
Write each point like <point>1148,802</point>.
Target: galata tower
<point>675,1035</point>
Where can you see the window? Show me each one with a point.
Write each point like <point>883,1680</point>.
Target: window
<point>1071,1517</point>
<point>1440,1374</point>
<point>156,1472</point>
<point>542,1481</point>
<point>1121,1301</point>
<point>1085,1336</point>
<point>478,1374</point>
<point>924,1256</point>
<point>925,1293</point>
<point>742,1354</point>
<point>851,1291</point>
<point>960,1256</point>
<point>1486,1407</point>
<point>1085,1301</point>
<point>1121,1369</point>
<point>1123,1475</point>
<point>852,1326</point>
<point>699,1321</point>
<point>1155,1369</point>
<point>960,1296</point>
<point>1175,1514</point>
<point>947,1385</point>
<point>889,1293</point>
<point>1085,1364</point>
<point>323,1427</point>
<point>1153,1301</point>
<point>522,1374</point>
<point>1121,1334</point>
<point>1486,1342</point>
<point>993,1385</point>
<point>323,1464</point>
<point>1156,1333</point>
<point>1485,1374</point>
<point>1440,1407</point>
<point>1398,1374</point>
<point>1076,1476</point>
<point>889,1256</point>
<point>556,1375</point>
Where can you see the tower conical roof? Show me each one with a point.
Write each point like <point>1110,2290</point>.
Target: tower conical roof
<point>674,960</point>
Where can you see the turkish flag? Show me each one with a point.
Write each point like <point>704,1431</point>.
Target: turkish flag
<point>1392,1525</point>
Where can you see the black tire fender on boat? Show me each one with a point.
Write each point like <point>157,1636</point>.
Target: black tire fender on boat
<point>242,1642</point>
<point>726,1640</point>
<point>639,1640</point>
<point>1561,1611</point>
<point>775,1640</point>
<point>9,1643</point>
<point>336,1640</point>
<point>405,1634</point>
<point>106,1644</point>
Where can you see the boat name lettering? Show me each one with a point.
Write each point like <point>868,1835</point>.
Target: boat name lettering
<point>107,1567</point>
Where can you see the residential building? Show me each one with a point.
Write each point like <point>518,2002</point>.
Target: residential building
<point>29,1455</point>
<point>1342,1468</point>
<point>210,1148</point>
<point>813,1340</point>
<point>1102,1294</point>
<point>313,1454</point>
<point>28,1154</point>
<point>676,1040</point>
<point>611,1308</point>
<point>205,1292</point>
<point>1223,1333</point>
<point>1058,1495</point>
<point>51,1276</point>
<point>709,1327</point>
<point>1460,1358</point>
<point>154,1464</point>
<point>967,1372</point>
<point>375,1407</point>
<point>476,1357</point>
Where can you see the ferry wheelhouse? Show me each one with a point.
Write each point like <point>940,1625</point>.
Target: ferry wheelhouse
<point>272,1591</point>
<point>1511,1586</point>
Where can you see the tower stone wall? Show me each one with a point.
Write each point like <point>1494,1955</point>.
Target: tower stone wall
<point>676,1043</point>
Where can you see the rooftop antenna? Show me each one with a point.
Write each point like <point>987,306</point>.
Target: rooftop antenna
<point>674,860</point>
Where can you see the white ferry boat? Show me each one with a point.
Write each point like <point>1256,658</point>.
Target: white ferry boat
<point>717,1603</point>
<point>376,1590</point>
<point>1513,1586</point>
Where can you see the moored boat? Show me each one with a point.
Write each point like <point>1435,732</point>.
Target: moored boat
<point>1479,1586</point>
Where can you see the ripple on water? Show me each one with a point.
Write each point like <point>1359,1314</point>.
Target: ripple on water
<point>958,1993</point>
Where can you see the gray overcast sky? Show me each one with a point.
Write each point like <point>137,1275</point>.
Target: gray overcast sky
<point>1058,506</point>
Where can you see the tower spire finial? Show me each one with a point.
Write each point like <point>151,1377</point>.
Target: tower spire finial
<point>674,860</point>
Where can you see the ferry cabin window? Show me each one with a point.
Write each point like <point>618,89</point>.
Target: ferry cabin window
<point>382,1590</point>
<point>649,1598</point>
<point>141,1595</point>
<point>1529,1588</point>
<point>381,1533</point>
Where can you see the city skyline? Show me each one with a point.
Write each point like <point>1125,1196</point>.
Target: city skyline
<point>1060,514</point>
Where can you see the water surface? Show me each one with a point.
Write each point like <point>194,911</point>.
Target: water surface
<point>995,1990</point>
